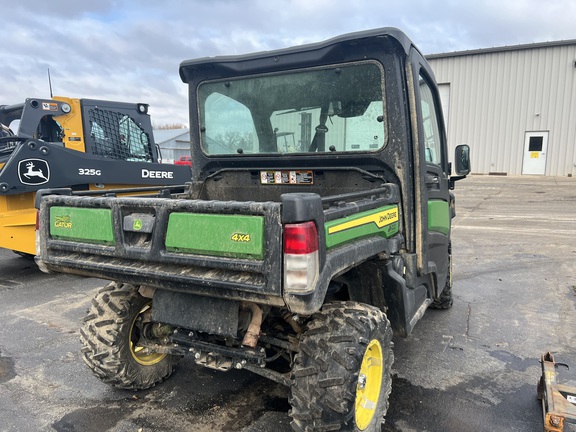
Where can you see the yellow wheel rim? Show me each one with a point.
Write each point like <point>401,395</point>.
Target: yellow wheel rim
<point>369,385</point>
<point>138,352</point>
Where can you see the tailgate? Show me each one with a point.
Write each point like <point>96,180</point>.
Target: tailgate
<point>227,249</point>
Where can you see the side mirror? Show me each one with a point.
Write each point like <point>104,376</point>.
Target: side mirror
<point>462,159</point>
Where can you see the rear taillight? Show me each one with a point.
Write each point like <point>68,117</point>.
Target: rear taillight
<point>300,257</point>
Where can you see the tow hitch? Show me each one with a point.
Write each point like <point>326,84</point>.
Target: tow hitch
<point>558,401</point>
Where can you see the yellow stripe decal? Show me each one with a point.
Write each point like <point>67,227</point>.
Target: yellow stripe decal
<point>380,219</point>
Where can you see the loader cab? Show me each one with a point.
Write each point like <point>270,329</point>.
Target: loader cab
<point>115,130</point>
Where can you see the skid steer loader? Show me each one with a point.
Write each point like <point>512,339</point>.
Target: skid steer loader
<point>83,144</point>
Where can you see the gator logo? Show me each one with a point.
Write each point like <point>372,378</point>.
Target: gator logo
<point>63,222</point>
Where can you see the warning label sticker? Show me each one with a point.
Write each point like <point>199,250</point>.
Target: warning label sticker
<point>49,106</point>
<point>287,177</point>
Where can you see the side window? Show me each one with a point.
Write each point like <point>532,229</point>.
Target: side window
<point>432,137</point>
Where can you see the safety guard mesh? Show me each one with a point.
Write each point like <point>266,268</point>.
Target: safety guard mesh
<point>116,135</point>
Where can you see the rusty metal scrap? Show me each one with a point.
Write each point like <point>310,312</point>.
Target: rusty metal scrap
<point>558,401</point>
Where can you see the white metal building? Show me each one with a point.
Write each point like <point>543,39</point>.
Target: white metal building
<point>515,106</point>
<point>173,143</point>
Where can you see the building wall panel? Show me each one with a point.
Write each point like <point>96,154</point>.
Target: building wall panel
<point>497,96</point>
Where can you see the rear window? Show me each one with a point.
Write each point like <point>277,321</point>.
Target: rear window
<point>330,109</point>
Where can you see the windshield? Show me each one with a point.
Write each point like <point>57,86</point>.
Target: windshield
<point>331,109</point>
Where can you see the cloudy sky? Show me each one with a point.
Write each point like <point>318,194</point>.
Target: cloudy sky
<point>130,50</point>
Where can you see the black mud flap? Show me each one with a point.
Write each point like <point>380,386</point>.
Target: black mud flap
<point>206,314</point>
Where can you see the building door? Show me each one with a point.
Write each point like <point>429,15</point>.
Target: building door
<point>535,148</point>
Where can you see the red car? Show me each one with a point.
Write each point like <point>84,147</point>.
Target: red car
<point>184,160</point>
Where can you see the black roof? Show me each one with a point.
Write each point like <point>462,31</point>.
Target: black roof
<point>238,63</point>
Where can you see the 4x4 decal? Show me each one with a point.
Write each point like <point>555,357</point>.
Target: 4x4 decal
<point>238,237</point>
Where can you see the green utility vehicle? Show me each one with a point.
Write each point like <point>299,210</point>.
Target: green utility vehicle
<point>317,222</point>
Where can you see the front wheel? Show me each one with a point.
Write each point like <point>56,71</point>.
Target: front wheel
<point>342,373</point>
<point>112,337</point>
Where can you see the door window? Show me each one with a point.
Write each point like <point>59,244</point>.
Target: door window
<point>432,137</point>
<point>535,143</point>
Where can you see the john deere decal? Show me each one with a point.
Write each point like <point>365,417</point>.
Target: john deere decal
<point>380,219</point>
<point>381,222</point>
<point>33,171</point>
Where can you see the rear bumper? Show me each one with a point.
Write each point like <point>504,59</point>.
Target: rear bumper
<point>143,259</point>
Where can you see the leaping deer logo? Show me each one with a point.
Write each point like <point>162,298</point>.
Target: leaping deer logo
<point>33,173</point>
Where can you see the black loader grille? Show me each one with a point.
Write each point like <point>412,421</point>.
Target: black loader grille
<point>116,135</point>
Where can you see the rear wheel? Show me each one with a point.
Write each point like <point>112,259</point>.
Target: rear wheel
<point>342,374</point>
<point>112,334</point>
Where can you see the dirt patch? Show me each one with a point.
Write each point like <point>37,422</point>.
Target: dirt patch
<point>234,411</point>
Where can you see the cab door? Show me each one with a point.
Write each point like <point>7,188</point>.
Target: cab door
<point>432,179</point>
